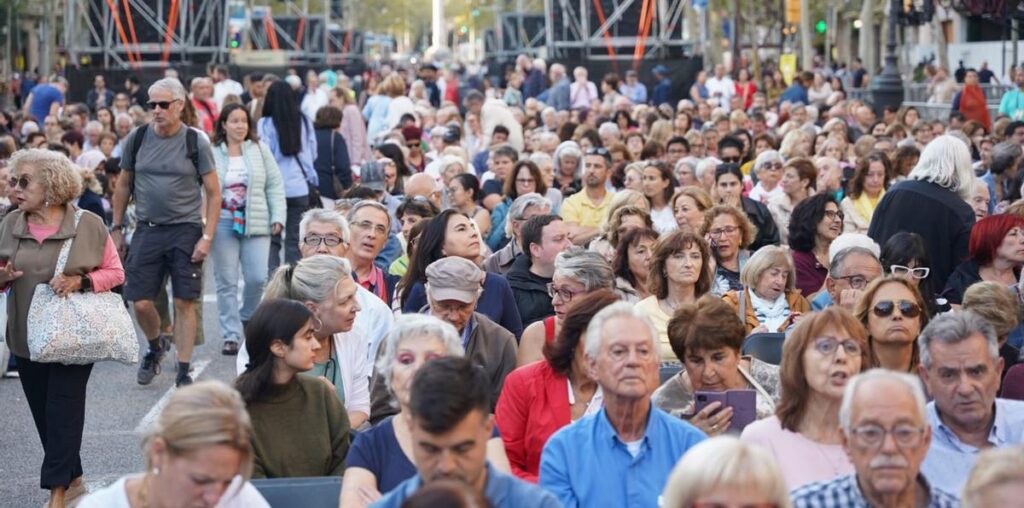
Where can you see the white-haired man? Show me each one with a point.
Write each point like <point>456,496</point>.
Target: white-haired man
<point>630,445</point>
<point>170,237</point>
<point>886,435</point>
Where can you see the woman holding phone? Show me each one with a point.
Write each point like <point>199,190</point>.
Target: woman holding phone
<point>706,337</point>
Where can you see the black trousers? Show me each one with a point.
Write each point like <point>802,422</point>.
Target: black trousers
<point>56,396</point>
<point>296,207</point>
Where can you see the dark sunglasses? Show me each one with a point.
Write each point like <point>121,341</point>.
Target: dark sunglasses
<point>907,308</point>
<point>603,152</point>
<point>161,104</point>
<point>21,181</point>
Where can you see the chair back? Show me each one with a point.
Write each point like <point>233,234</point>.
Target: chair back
<point>314,492</point>
<point>766,347</point>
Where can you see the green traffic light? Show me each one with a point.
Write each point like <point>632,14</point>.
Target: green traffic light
<point>234,44</point>
<point>821,26</point>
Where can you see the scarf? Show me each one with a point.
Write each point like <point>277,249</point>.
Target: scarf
<point>974,107</point>
<point>770,314</point>
<point>865,206</point>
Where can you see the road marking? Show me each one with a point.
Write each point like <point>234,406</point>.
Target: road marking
<point>154,412</point>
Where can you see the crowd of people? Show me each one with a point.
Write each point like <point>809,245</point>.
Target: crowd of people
<point>535,290</point>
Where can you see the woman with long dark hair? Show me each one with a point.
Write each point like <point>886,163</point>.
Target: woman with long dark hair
<point>290,137</point>
<point>281,342</point>
<point>452,233</point>
<point>252,208</point>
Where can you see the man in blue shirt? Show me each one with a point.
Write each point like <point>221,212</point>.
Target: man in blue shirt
<point>663,89</point>
<point>961,366</point>
<point>633,89</point>
<point>46,99</point>
<point>886,435</point>
<point>797,92</point>
<point>621,456</point>
<point>450,424</point>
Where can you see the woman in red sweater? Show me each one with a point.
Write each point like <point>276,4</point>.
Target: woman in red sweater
<point>542,397</point>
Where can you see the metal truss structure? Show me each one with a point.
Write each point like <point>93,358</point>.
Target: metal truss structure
<point>145,33</point>
<point>615,29</point>
<point>516,33</point>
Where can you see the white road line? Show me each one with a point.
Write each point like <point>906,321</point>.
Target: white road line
<point>150,417</point>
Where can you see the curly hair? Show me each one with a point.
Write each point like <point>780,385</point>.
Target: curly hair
<point>55,173</point>
<point>708,324</point>
<point>803,223</point>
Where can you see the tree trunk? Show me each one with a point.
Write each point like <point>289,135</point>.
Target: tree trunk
<point>866,46</point>
<point>941,46</point>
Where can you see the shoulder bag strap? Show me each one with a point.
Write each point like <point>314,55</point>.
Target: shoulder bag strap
<point>65,250</point>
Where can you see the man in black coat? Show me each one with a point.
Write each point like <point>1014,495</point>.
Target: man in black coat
<point>930,204</point>
<point>543,238</point>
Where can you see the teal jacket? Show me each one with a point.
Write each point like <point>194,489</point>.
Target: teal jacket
<point>264,199</point>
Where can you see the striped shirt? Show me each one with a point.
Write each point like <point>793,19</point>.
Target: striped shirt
<point>844,492</point>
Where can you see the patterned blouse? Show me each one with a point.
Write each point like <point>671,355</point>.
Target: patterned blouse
<point>675,396</point>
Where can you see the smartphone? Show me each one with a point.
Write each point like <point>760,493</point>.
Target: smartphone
<point>742,402</point>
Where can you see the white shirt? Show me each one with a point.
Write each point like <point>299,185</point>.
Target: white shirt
<point>723,86</point>
<point>225,88</point>
<point>313,101</point>
<point>663,219</point>
<point>238,495</point>
<point>759,194</point>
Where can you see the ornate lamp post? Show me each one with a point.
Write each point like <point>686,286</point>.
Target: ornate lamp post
<point>887,87</point>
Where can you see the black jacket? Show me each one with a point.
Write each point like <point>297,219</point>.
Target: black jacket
<point>942,219</point>
<point>962,278</point>
<point>767,231</point>
<point>328,166</point>
<point>530,290</point>
<point>92,202</point>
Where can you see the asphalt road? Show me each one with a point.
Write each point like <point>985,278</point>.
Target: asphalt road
<point>115,408</point>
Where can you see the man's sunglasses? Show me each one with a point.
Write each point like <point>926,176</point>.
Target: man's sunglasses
<point>162,104</point>
<point>907,308</point>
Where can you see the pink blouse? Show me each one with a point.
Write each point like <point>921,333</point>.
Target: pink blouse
<point>110,273</point>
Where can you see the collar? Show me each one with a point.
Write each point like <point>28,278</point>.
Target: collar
<point>64,231</point>
<point>608,433</point>
<point>996,434</point>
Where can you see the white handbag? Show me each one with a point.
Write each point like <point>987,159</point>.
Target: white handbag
<point>81,328</point>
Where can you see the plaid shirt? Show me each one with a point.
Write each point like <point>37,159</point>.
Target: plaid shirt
<point>844,492</point>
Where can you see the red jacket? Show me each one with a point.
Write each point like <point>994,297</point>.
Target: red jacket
<point>533,405</point>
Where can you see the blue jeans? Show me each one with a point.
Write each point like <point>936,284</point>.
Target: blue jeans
<point>231,252</point>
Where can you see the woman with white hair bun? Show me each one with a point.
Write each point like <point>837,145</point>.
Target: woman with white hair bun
<point>932,202</point>
<point>724,471</point>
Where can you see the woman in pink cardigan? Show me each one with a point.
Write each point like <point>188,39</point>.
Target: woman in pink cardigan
<point>353,129</point>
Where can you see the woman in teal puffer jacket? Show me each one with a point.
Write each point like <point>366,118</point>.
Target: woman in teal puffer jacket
<point>252,207</point>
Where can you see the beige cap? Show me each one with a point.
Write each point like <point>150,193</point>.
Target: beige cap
<point>454,278</point>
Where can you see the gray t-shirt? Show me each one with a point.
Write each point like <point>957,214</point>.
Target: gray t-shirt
<point>167,190</point>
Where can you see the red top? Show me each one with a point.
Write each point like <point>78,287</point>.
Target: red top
<point>549,329</point>
<point>533,405</point>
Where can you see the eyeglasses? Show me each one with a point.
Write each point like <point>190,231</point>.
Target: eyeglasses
<point>872,436</point>
<point>365,224</point>
<point>920,272</point>
<point>856,281</point>
<point>598,150</point>
<point>774,166</point>
<point>828,346</point>
<point>565,294</point>
<point>316,240</point>
<point>19,181</point>
<point>728,230</point>
<point>162,104</point>
<point>908,309</point>
<point>834,214</point>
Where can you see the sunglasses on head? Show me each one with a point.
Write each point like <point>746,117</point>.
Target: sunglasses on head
<point>161,104</point>
<point>908,309</point>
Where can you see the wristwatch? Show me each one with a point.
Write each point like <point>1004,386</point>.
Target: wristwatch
<point>86,285</point>
<point>117,227</point>
<point>207,237</point>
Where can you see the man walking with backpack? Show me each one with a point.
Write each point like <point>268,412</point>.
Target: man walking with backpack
<point>167,166</point>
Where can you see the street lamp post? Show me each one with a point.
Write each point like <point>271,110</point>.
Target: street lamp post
<point>887,87</point>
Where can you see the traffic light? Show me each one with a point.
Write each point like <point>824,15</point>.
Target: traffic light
<point>821,26</point>
<point>236,40</point>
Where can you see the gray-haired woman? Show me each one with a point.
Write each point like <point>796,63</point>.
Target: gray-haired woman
<point>577,272</point>
<point>30,240</point>
<point>379,459</point>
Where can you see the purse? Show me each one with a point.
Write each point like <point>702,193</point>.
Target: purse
<point>81,328</point>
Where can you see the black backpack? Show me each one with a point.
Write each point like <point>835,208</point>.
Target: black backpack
<point>191,149</point>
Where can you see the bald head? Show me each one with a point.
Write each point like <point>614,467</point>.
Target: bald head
<point>422,184</point>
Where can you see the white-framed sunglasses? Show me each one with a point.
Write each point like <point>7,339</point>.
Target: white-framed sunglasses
<point>920,272</point>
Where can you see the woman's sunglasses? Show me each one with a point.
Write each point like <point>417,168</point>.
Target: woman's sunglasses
<point>21,181</point>
<point>907,308</point>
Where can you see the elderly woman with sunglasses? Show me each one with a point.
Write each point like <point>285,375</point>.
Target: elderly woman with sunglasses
<point>768,168</point>
<point>893,312</point>
<point>819,356</point>
<point>381,457</point>
<point>577,272</point>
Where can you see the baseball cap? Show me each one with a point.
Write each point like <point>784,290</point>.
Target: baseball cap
<point>371,175</point>
<point>454,278</point>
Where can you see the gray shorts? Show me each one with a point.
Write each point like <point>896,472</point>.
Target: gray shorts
<point>159,251</point>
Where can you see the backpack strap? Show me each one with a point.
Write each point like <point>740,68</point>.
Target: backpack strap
<point>140,136</point>
<point>192,150</point>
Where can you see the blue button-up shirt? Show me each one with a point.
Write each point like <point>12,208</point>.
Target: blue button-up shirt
<point>502,490</point>
<point>586,464</point>
<point>843,492</point>
<point>949,461</point>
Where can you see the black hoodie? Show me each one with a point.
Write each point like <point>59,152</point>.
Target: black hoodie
<point>530,290</point>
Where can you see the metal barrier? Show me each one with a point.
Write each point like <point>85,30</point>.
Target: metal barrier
<point>931,111</point>
<point>917,93</point>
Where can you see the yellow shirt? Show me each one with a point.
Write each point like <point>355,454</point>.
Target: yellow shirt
<point>579,210</point>
<point>650,308</point>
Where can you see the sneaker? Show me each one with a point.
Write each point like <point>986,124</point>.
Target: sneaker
<point>183,381</point>
<point>150,367</point>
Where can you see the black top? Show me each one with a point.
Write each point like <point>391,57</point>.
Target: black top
<point>329,166</point>
<point>767,231</point>
<point>530,290</point>
<point>942,219</point>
